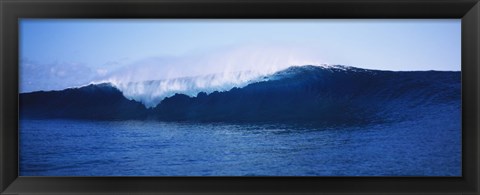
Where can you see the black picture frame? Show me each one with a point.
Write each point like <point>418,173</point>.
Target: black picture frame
<point>467,10</point>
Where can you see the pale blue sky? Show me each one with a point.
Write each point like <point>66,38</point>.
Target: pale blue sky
<point>60,53</point>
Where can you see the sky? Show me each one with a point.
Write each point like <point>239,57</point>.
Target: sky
<point>59,53</point>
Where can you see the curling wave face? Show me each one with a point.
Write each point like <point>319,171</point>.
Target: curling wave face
<point>152,92</point>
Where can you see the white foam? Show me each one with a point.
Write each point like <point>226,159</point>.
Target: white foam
<point>151,93</point>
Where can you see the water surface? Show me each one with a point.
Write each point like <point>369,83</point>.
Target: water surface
<point>152,148</point>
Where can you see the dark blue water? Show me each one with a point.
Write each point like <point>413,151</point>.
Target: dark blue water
<point>426,146</point>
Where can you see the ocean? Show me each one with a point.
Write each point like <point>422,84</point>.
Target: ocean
<point>301,121</point>
<point>428,146</point>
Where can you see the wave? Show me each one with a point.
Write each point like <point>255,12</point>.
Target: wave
<point>326,94</point>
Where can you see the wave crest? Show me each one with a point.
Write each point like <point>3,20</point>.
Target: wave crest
<point>151,93</point>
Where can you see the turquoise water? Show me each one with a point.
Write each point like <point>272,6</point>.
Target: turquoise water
<point>424,147</point>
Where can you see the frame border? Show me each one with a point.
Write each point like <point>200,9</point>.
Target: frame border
<point>12,10</point>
